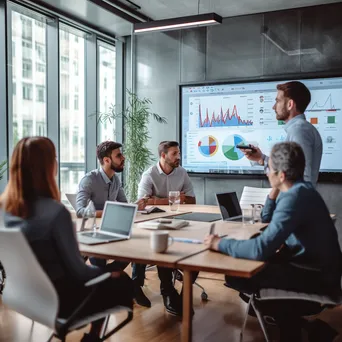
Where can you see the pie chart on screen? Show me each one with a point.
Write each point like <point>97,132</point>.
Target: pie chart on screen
<point>229,147</point>
<point>208,146</point>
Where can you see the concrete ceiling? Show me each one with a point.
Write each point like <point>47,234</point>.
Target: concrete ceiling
<point>160,9</point>
<point>90,13</point>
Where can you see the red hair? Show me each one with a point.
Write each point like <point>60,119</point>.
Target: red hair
<point>32,174</point>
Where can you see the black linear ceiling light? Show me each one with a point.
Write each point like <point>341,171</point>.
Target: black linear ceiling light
<point>178,23</point>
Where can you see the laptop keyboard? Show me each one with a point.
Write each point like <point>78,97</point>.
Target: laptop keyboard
<point>100,236</point>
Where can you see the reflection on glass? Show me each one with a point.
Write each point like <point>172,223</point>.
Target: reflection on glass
<point>28,81</point>
<point>72,110</point>
<point>106,88</point>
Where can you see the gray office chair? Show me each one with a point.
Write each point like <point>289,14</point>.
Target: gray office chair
<point>303,304</point>
<point>30,292</point>
<point>308,304</point>
<point>72,200</point>
<point>204,295</point>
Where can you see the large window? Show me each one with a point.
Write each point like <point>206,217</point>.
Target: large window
<point>72,109</point>
<point>54,88</point>
<point>28,115</point>
<point>106,87</point>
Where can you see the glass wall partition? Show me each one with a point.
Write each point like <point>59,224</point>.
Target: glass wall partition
<point>72,107</point>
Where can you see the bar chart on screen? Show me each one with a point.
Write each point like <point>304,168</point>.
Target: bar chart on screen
<point>221,112</point>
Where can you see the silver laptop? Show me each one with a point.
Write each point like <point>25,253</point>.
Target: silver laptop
<point>116,225</point>
<point>229,206</point>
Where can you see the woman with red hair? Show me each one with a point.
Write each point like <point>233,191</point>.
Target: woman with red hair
<point>31,201</point>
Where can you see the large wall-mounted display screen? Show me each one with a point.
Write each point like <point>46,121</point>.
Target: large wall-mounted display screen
<point>217,117</point>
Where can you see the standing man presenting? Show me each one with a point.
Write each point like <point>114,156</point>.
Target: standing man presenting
<point>167,175</point>
<point>291,102</point>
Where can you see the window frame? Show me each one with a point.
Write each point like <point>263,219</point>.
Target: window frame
<point>52,23</point>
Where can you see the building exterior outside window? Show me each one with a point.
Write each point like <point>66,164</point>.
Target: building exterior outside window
<point>28,117</point>
<point>29,86</point>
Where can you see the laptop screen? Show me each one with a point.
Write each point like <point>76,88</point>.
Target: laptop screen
<point>118,218</point>
<point>229,205</point>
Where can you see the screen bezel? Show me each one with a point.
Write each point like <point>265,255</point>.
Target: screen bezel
<point>118,204</point>
<point>323,176</point>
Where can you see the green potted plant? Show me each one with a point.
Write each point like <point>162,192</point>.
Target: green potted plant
<point>136,118</point>
<point>2,168</point>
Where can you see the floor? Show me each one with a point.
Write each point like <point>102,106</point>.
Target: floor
<point>219,319</point>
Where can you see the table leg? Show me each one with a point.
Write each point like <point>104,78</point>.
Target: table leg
<point>187,307</point>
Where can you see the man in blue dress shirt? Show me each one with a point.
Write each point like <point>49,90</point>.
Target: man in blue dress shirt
<point>291,102</point>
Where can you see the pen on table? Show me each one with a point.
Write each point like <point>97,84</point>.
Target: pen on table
<point>212,229</point>
<point>187,240</point>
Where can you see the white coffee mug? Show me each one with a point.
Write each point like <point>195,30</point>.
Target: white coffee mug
<point>160,241</point>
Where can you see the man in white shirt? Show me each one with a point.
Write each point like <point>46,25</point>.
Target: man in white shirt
<point>167,175</point>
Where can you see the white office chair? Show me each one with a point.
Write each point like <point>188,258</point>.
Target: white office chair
<point>30,292</point>
<point>251,195</point>
<point>72,200</point>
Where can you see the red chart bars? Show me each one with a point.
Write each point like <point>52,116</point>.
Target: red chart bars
<point>222,120</point>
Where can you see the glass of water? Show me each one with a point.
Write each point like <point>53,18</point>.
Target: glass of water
<point>174,200</point>
<point>257,209</point>
<point>247,216</point>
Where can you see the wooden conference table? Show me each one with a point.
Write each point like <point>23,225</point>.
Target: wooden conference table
<point>186,256</point>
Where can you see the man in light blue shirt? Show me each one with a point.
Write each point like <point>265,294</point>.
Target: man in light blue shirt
<point>103,185</point>
<point>291,102</point>
<point>167,175</point>
<point>99,188</point>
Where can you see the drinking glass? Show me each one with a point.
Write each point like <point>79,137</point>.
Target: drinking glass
<point>257,208</point>
<point>174,200</point>
<point>247,216</point>
<point>89,218</point>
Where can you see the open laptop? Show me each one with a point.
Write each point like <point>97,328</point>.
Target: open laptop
<point>229,206</point>
<point>116,225</point>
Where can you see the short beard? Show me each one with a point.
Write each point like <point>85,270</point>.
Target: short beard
<point>284,115</point>
<point>173,165</point>
<point>117,169</point>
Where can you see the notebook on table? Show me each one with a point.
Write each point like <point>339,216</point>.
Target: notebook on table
<point>204,217</point>
<point>151,210</point>
<point>116,225</point>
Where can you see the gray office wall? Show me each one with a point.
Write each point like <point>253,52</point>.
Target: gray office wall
<point>236,49</point>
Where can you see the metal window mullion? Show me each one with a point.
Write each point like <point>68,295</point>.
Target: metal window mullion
<point>3,91</point>
<point>52,82</point>
<point>90,101</point>
<point>119,88</point>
